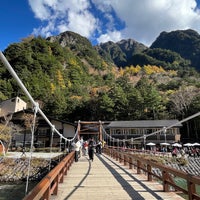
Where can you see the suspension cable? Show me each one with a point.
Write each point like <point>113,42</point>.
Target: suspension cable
<point>153,133</point>
<point>35,104</point>
<point>10,69</point>
<point>51,144</point>
<point>31,149</point>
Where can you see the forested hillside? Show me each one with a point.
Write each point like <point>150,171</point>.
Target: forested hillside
<point>73,80</point>
<point>186,43</point>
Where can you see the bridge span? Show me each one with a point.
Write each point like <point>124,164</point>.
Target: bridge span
<point>105,178</point>
<point>115,174</point>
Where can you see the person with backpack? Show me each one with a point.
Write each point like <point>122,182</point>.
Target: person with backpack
<point>91,146</point>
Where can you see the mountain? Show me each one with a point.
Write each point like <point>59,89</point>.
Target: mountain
<point>80,46</point>
<point>121,52</point>
<point>184,42</point>
<point>160,57</point>
<point>74,80</point>
<point>173,50</point>
<point>130,52</point>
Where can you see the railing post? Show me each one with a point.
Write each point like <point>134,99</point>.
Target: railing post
<point>138,167</point>
<point>117,156</point>
<point>114,154</point>
<point>165,184</point>
<point>130,163</point>
<point>120,159</point>
<point>55,185</point>
<point>125,160</point>
<point>66,168</point>
<point>191,187</point>
<point>149,174</point>
<point>62,175</point>
<point>111,152</point>
<point>47,194</point>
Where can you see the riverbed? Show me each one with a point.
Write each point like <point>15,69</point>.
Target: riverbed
<point>9,191</point>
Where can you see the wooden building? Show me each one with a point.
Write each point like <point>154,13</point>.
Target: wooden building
<point>143,128</point>
<point>23,120</point>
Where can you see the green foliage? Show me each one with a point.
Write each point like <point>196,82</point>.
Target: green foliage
<point>185,42</point>
<point>75,82</point>
<point>121,52</point>
<point>151,99</point>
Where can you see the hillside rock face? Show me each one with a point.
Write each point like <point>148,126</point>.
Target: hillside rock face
<point>184,42</point>
<point>126,52</point>
<point>120,52</point>
<point>131,47</point>
<point>80,46</point>
<point>70,39</point>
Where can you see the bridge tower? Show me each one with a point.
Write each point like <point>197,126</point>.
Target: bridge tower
<point>88,129</point>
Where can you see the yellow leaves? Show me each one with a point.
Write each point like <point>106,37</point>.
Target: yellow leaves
<point>147,69</point>
<point>121,72</point>
<point>104,65</point>
<point>49,50</point>
<point>53,88</point>
<point>73,62</point>
<point>94,92</point>
<point>152,69</point>
<point>69,84</point>
<point>172,73</point>
<point>75,97</point>
<point>170,92</point>
<point>136,69</point>
<point>60,83</point>
<point>60,79</point>
<point>132,70</point>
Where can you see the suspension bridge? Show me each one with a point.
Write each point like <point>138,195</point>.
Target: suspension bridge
<point>106,177</point>
<point>115,174</point>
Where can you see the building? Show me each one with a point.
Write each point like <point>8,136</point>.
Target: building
<point>21,120</point>
<point>142,130</point>
<point>139,131</point>
<point>42,131</point>
<point>11,106</point>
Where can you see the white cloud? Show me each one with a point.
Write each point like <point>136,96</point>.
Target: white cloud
<point>83,23</point>
<point>114,36</point>
<point>144,19</point>
<point>40,10</point>
<point>62,15</point>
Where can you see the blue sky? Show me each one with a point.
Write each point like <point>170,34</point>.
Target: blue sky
<point>98,20</point>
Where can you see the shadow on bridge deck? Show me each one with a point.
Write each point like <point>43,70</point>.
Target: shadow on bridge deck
<point>104,178</point>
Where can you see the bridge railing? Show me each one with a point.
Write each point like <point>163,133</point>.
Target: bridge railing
<point>49,184</point>
<point>166,176</point>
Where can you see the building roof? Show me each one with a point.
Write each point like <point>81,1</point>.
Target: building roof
<point>144,124</point>
<point>28,110</point>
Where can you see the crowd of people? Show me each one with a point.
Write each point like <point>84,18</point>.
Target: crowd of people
<point>186,151</point>
<point>87,148</point>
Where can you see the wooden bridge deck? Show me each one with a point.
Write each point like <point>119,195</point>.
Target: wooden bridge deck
<point>105,178</point>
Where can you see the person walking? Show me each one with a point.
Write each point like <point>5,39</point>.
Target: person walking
<point>77,146</point>
<point>85,148</point>
<point>99,147</point>
<point>91,146</point>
